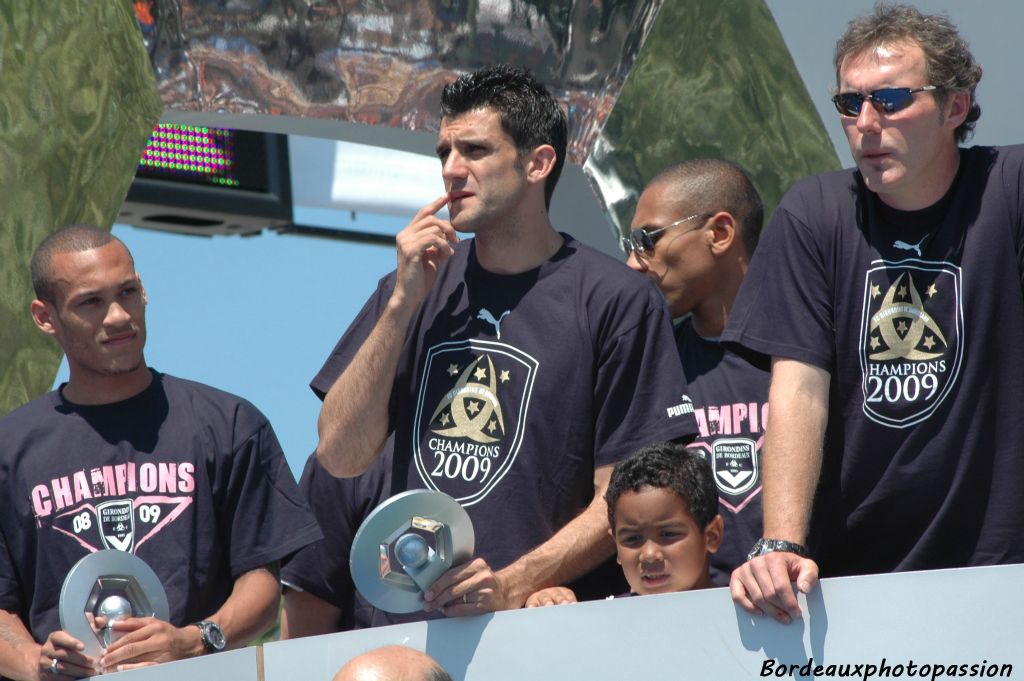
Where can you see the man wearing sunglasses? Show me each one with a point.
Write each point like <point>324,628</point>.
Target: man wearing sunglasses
<point>888,299</point>
<point>695,228</point>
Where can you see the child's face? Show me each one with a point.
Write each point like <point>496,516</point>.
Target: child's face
<point>661,548</point>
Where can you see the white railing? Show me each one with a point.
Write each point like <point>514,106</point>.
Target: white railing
<point>968,621</point>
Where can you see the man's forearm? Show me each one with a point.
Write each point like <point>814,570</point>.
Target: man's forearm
<point>307,615</point>
<point>251,608</point>
<point>353,423</point>
<point>573,551</point>
<point>797,416</point>
<point>19,653</point>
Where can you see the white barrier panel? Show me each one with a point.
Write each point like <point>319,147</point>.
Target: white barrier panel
<point>881,626</point>
<point>234,665</point>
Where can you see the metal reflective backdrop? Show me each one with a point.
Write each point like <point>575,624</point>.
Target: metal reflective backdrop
<point>385,61</point>
<point>77,104</point>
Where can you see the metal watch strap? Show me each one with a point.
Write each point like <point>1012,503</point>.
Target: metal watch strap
<point>763,546</point>
<point>204,636</point>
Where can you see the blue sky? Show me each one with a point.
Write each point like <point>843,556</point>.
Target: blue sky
<point>254,316</point>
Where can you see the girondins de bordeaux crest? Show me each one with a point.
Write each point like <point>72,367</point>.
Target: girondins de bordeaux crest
<point>911,339</point>
<point>122,524</point>
<point>734,462</point>
<point>470,416</point>
<point>117,524</point>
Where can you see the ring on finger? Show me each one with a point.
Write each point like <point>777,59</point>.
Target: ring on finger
<point>53,666</point>
<point>465,598</point>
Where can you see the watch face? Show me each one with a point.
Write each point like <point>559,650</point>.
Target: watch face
<point>214,636</point>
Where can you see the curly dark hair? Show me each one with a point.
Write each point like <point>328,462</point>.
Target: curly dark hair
<point>529,114</point>
<point>948,58</point>
<point>671,466</point>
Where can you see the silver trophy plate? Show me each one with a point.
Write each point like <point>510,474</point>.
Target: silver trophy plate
<point>109,585</point>
<point>405,544</point>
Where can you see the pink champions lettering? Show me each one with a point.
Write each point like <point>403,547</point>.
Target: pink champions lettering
<point>62,492</point>
<point>112,481</point>
<point>103,481</point>
<point>741,418</point>
<point>147,477</point>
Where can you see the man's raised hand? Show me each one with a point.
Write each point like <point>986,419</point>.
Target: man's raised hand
<point>423,245</point>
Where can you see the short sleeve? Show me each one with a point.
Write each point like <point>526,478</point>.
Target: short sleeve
<point>1013,178</point>
<point>353,338</point>
<point>640,391</point>
<point>10,587</point>
<point>321,568</point>
<point>784,306</point>
<point>261,511</point>
<point>340,505</point>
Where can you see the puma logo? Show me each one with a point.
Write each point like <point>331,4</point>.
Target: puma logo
<point>904,246</point>
<point>486,315</point>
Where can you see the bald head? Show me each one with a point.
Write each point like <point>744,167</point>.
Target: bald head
<point>711,185</point>
<point>392,663</point>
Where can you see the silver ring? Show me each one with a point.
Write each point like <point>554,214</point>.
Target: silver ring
<point>53,666</point>
<point>465,598</point>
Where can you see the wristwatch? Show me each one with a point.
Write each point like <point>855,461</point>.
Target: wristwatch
<point>763,546</point>
<point>212,636</point>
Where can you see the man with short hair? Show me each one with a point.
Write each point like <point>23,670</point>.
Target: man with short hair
<point>392,663</point>
<point>695,229</point>
<point>889,300</point>
<point>189,479</point>
<point>514,368</point>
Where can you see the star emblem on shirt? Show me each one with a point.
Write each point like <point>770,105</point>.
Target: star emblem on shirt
<point>876,290</point>
<point>480,373</point>
<point>504,377</point>
<point>931,290</point>
<point>453,369</point>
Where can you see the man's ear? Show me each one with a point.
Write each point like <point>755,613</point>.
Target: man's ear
<point>958,105</point>
<point>42,315</point>
<point>713,534</point>
<point>723,232</point>
<point>540,162</point>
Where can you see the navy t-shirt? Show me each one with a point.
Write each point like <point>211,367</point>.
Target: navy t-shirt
<point>512,389</point>
<point>340,506</point>
<point>188,478</point>
<point>919,318</point>
<point>730,400</point>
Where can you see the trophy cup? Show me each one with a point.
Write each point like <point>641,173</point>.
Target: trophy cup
<point>405,544</point>
<point>105,587</point>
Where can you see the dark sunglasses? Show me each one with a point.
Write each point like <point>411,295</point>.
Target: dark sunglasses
<point>644,238</point>
<point>885,100</point>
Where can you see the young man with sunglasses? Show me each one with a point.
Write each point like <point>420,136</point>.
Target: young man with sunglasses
<point>694,231</point>
<point>889,300</point>
<point>514,368</point>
